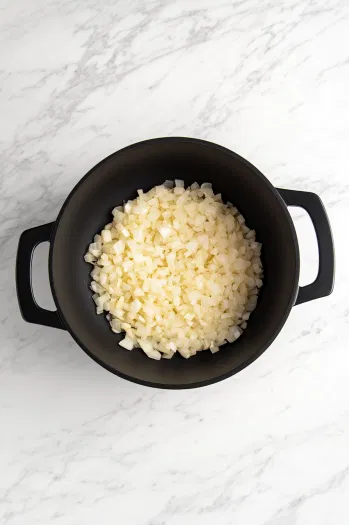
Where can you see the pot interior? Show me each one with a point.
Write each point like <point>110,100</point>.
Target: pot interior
<point>145,165</point>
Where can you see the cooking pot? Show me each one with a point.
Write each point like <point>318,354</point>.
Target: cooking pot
<point>144,165</point>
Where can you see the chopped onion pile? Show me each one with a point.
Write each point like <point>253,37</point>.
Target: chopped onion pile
<point>177,270</point>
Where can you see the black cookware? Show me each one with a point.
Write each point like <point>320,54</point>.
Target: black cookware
<point>144,165</point>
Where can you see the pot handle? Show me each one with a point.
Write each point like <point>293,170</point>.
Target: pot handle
<point>29,308</point>
<point>323,284</point>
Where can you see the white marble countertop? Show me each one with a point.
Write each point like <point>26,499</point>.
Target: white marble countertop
<point>81,79</point>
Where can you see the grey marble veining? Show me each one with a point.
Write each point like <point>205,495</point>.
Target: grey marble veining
<point>79,80</point>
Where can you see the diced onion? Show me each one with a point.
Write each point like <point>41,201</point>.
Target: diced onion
<point>127,343</point>
<point>177,270</point>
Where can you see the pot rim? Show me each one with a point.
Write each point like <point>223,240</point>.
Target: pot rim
<point>283,318</point>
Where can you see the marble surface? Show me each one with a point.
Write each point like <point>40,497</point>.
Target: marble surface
<point>81,79</point>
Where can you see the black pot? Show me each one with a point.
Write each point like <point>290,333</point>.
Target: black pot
<point>144,165</point>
